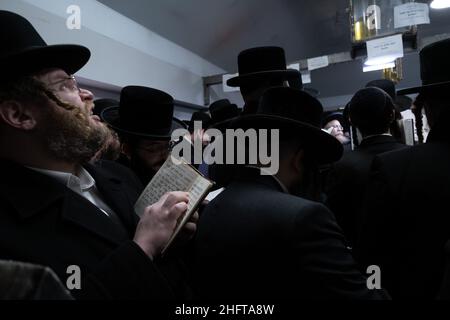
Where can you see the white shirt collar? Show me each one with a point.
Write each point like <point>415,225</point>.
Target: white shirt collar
<point>81,183</point>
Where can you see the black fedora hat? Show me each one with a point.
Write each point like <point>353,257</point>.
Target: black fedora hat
<point>222,112</point>
<point>143,112</point>
<point>402,102</point>
<point>24,52</point>
<point>199,116</point>
<point>298,113</point>
<point>262,62</point>
<point>102,104</point>
<point>386,85</point>
<point>332,115</point>
<point>434,67</point>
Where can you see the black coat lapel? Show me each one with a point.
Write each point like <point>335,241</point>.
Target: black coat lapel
<point>114,193</point>
<point>32,193</point>
<point>80,211</point>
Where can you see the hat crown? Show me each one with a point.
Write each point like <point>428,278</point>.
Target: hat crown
<point>261,59</point>
<point>291,103</point>
<point>384,84</point>
<point>18,34</point>
<point>435,62</point>
<point>146,110</point>
<point>222,110</point>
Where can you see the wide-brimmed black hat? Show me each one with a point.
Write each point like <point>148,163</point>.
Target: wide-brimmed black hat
<point>102,104</point>
<point>402,102</point>
<point>222,112</point>
<point>24,52</point>
<point>262,63</point>
<point>332,115</point>
<point>299,114</point>
<point>199,116</point>
<point>434,67</point>
<point>143,112</point>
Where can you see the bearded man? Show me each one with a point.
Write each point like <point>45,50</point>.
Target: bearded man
<point>56,209</point>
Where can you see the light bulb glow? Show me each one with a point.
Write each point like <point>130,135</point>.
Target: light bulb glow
<point>440,4</point>
<point>378,67</point>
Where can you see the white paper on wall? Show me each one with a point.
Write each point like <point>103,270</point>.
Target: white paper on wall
<point>227,88</point>
<point>317,63</point>
<point>388,47</point>
<point>410,14</point>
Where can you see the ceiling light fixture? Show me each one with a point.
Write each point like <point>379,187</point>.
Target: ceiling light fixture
<point>378,67</point>
<point>380,60</point>
<point>440,4</point>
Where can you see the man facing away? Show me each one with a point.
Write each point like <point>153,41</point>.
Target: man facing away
<point>372,112</point>
<point>261,238</point>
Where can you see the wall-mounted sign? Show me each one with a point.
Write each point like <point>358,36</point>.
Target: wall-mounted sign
<point>306,78</point>
<point>411,14</point>
<point>384,50</point>
<point>317,63</point>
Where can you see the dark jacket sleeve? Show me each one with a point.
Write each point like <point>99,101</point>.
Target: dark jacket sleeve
<point>126,274</point>
<point>326,260</point>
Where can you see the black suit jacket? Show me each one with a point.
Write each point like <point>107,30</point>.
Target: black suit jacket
<point>348,179</point>
<point>255,241</point>
<point>407,221</point>
<point>44,222</point>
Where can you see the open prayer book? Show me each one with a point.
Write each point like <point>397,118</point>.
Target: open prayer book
<point>175,175</point>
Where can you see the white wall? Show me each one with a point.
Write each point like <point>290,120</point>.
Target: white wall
<point>123,52</point>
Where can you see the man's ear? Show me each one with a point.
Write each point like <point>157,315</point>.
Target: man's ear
<point>17,115</point>
<point>126,150</point>
<point>297,160</point>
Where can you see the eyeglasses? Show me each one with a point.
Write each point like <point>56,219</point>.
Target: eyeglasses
<point>67,84</point>
<point>337,127</point>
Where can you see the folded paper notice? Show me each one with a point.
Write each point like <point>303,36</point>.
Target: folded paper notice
<point>175,175</point>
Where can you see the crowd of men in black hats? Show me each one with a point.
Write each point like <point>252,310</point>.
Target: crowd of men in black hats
<point>72,169</point>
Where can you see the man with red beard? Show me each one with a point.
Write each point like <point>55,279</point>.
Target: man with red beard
<point>55,208</point>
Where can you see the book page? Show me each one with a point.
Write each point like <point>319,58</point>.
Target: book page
<point>197,192</point>
<point>173,176</point>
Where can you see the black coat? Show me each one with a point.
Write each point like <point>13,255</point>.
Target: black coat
<point>407,221</point>
<point>348,179</point>
<point>44,222</point>
<point>255,241</point>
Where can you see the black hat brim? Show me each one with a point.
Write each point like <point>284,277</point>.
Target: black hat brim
<point>111,117</point>
<point>251,77</point>
<point>403,102</point>
<point>419,89</point>
<point>321,145</point>
<point>333,116</point>
<point>70,58</point>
